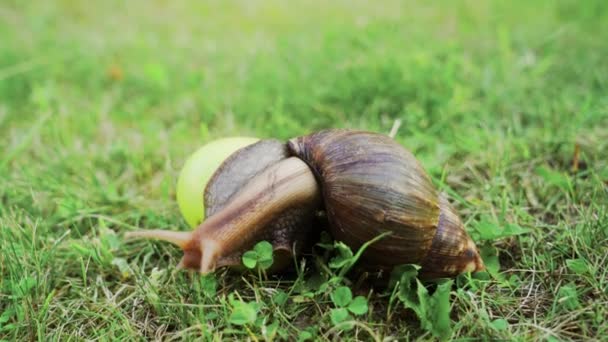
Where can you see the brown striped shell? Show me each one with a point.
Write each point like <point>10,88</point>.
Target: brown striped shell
<point>370,185</point>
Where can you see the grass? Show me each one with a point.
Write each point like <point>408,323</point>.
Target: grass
<point>504,103</point>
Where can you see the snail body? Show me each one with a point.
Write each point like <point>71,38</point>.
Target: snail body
<point>368,185</point>
<point>292,224</point>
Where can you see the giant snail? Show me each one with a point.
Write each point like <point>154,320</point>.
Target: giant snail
<point>366,183</point>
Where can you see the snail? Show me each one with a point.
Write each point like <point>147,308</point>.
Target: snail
<point>366,183</point>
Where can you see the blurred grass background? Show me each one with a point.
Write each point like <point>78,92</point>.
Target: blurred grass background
<point>100,103</point>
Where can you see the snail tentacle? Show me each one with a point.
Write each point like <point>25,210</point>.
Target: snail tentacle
<point>180,239</point>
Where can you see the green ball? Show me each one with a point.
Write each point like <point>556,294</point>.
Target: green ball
<point>196,172</point>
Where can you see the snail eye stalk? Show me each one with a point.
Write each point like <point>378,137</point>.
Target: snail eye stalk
<point>180,239</point>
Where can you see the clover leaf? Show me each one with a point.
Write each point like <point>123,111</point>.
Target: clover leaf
<point>261,256</point>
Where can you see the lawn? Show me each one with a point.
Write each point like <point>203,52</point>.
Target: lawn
<point>505,103</point>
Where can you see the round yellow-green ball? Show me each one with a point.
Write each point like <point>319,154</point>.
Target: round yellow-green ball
<point>197,170</point>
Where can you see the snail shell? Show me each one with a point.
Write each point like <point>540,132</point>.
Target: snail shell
<point>371,185</point>
<point>367,183</point>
